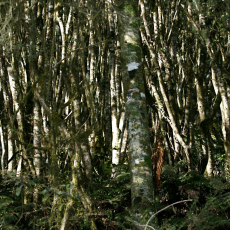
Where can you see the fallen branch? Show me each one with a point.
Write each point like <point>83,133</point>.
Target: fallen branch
<point>147,224</point>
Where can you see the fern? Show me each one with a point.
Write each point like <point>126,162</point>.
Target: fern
<point>5,201</point>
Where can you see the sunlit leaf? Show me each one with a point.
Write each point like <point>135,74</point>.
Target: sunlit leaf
<point>18,190</point>
<point>44,199</point>
<point>44,191</point>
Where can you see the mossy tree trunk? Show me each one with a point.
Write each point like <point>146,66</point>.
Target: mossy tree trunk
<point>139,148</point>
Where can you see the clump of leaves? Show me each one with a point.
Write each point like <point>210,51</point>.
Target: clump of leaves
<point>9,213</point>
<point>170,184</point>
<point>215,213</point>
<point>210,208</point>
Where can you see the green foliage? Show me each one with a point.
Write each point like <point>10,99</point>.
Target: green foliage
<point>134,52</point>
<point>134,24</point>
<point>10,205</point>
<point>170,182</point>
<point>210,206</point>
<point>9,213</point>
<point>129,9</point>
<point>19,182</point>
<point>194,178</point>
<point>123,176</point>
<point>215,213</point>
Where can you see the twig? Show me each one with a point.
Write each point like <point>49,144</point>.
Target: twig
<point>82,126</point>
<point>148,226</point>
<point>68,115</point>
<point>137,225</point>
<point>171,142</point>
<point>163,210</point>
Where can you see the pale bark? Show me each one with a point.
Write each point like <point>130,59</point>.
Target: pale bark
<point>10,150</point>
<point>154,61</point>
<point>17,111</point>
<point>113,72</point>
<point>139,147</point>
<point>203,111</point>
<point>3,154</point>
<point>37,145</point>
<point>201,28</point>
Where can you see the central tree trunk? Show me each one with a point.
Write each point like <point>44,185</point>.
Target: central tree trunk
<point>139,145</point>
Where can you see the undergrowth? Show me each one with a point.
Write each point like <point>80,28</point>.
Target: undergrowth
<point>209,209</point>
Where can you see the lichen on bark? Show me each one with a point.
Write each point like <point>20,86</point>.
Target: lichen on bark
<point>139,149</point>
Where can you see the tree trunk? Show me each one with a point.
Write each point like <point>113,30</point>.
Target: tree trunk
<point>139,148</point>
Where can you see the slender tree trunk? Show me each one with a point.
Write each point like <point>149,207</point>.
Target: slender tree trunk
<point>37,145</point>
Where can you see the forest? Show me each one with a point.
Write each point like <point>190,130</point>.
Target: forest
<point>114,114</point>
